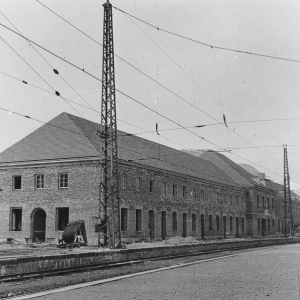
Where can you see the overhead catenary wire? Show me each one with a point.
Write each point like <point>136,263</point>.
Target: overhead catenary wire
<point>56,92</point>
<point>145,156</point>
<point>47,62</point>
<point>196,81</point>
<point>206,44</point>
<point>219,100</point>
<point>116,89</point>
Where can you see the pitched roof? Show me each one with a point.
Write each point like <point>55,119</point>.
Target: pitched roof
<point>233,170</point>
<point>68,136</point>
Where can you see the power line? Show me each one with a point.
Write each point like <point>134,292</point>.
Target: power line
<point>145,156</point>
<point>181,98</point>
<point>37,87</point>
<point>219,100</point>
<point>56,92</point>
<point>205,44</point>
<point>124,93</point>
<point>55,71</point>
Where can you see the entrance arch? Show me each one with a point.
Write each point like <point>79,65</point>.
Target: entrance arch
<point>38,225</point>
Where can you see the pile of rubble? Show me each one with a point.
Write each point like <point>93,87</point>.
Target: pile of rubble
<point>178,240</point>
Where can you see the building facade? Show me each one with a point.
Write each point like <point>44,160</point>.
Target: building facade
<point>52,177</point>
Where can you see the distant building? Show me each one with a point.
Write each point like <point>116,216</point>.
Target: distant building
<point>51,177</point>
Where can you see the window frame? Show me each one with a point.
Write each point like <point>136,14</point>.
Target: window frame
<point>14,182</point>
<point>123,182</point>
<point>151,186</point>
<point>184,191</point>
<point>36,181</point>
<point>174,190</point>
<point>138,184</point>
<point>65,181</point>
<point>164,188</point>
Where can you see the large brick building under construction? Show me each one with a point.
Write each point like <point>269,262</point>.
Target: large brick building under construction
<point>52,176</point>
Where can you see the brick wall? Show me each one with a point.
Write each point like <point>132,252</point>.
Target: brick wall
<point>82,194</point>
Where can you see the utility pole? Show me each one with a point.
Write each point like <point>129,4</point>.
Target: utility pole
<point>109,208</point>
<point>287,193</point>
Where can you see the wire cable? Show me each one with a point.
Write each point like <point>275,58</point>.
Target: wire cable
<point>49,63</point>
<point>205,44</point>
<point>120,91</point>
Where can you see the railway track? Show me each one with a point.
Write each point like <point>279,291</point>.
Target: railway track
<point>108,265</point>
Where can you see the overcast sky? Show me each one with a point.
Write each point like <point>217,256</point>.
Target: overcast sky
<point>243,87</point>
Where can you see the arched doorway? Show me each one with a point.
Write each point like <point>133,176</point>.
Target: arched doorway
<point>38,225</point>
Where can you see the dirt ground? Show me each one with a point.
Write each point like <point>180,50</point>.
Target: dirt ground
<point>37,249</point>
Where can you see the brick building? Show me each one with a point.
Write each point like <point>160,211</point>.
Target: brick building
<point>51,177</point>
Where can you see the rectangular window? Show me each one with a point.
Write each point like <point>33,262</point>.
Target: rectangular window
<point>184,188</point>
<point>230,199</point>
<point>15,219</point>
<point>268,202</point>
<point>174,188</point>
<point>231,223</point>
<point>62,218</point>
<point>194,193</point>
<point>210,222</point>
<point>17,182</point>
<point>193,222</point>
<point>138,220</point>
<point>258,224</point>
<point>123,182</point>
<point>139,184</point>
<point>278,225</point>
<point>257,200</point>
<point>151,186</point>
<point>237,200</point>
<point>273,223</point>
<point>124,219</point>
<point>218,222</point>
<point>174,221</point>
<point>164,188</point>
<point>273,206</point>
<point>225,199</point>
<point>63,180</point>
<point>269,227</point>
<point>263,202</point>
<point>39,181</point>
<point>202,195</point>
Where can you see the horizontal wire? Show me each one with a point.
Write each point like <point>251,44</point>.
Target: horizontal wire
<point>87,136</point>
<point>194,106</point>
<point>122,92</point>
<point>205,44</point>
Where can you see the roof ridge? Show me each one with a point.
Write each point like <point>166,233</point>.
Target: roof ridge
<point>82,133</point>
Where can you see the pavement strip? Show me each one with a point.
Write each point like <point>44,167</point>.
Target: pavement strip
<point>102,281</point>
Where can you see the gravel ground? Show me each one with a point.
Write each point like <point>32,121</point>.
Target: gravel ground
<point>267,274</point>
<point>8,290</point>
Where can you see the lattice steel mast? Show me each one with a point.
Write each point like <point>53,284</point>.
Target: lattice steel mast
<point>287,193</point>
<point>110,233</point>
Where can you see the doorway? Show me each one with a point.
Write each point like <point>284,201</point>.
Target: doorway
<point>38,221</point>
<point>184,225</point>
<point>163,225</point>
<point>224,227</point>
<point>264,227</point>
<point>237,225</point>
<point>151,224</point>
<point>202,226</point>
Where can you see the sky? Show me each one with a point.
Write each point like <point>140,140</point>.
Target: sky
<point>197,84</point>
